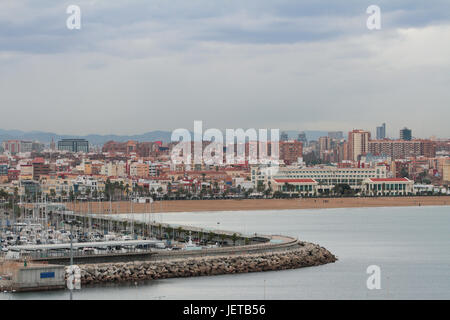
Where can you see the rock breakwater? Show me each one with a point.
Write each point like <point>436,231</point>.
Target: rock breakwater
<point>303,255</point>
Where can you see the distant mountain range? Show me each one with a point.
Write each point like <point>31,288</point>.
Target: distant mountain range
<point>96,139</point>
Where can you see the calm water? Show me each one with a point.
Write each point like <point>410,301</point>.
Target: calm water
<point>410,244</point>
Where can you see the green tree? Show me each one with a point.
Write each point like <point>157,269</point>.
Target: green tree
<point>222,238</point>
<point>234,238</point>
<point>180,231</point>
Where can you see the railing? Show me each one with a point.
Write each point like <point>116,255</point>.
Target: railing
<point>42,255</point>
<point>248,249</point>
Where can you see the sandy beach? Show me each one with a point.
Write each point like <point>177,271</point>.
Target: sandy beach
<point>255,204</point>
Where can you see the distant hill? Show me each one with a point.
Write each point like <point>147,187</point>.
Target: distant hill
<point>96,139</point>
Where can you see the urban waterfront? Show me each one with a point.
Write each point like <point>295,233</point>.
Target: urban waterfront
<point>410,244</point>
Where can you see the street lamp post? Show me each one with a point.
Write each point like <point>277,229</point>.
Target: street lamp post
<point>71,244</point>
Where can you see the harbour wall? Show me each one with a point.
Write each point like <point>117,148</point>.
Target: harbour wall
<point>303,254</point>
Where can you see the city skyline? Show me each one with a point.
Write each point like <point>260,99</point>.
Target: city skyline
<point>98,140</point>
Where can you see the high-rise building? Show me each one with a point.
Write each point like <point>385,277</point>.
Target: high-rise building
<point>381,132</point>
<point>284,136</point>
<point>12,146</point>
<point>302,138</point>
<point>18,146</point>
<point>337,135</point>
<point>402,149</point>
<point>26,146</point>
<point>73,145</point>
<point>324,144</point>
<point>446,171</point>
<point>290,151</point>
<point>358,144</point>
<point>405,134</point>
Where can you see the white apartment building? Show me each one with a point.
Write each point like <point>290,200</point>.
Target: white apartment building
<point>326,176</point>
<point>86,184</point>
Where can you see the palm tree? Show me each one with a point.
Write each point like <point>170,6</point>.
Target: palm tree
<point>179,231</point>
<point>222,238</point>
<point>127,190</point>
<point>260,187</point>
<point>210,236</point>
<point>234,238</point>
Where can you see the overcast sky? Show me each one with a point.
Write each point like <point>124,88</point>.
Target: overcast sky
<point>137,66</point>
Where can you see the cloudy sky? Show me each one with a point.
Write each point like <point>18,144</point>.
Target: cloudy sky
<point>137,66</point>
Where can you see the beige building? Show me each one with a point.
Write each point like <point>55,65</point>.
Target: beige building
<point>140,170</point>
<point>26,172</point>
<point>446,171</point>
<point>87,167</point>
<point>111,169</point>
<point>60,186</point>
<point>358,144</point>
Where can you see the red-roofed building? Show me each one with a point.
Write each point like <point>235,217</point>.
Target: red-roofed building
<point>387,186</point>
<point>302,186</point>
<point>388,179</point>
<point>38,160</point>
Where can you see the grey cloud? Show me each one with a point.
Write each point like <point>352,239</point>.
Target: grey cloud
<point>136,65</point>
<point>40,28</point>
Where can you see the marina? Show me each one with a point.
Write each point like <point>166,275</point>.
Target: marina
<point>47,238</point>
